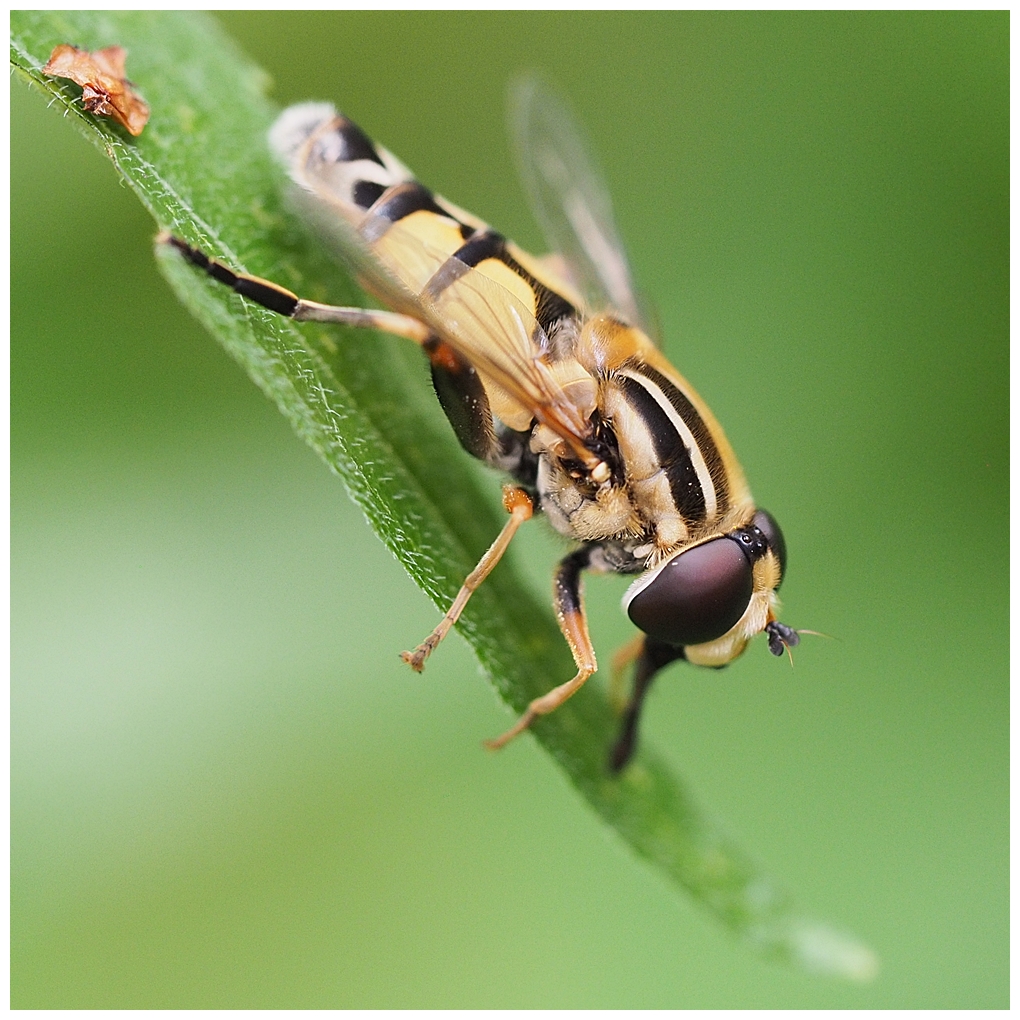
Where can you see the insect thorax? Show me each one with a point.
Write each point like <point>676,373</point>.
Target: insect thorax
<point>674,478</point>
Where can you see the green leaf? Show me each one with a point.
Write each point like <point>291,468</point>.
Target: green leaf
<point>202,168</point>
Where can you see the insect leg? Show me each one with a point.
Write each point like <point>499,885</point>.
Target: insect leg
<point>458,386</point>
<point>278,299</point>
<point>653,656</point>
<point>519,506</point>
<point>574,624</point>
<point>623,659</point>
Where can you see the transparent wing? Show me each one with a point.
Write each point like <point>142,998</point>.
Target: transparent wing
<point>481,319</point>
<point>497,334</point>
<point>569,198</point>
<point>488,326</point>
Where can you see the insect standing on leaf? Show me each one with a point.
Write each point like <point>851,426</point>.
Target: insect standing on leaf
<point>545,371</point>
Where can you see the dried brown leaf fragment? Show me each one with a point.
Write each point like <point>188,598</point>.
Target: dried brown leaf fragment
<point>105,90</point>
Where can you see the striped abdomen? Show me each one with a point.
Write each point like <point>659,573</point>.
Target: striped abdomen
<point>425,256</point>
<point>371,189</point>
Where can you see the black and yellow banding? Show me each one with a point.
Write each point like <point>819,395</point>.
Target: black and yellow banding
<point>575,403</point>
<point>481,246</point>
<point>331,157</point>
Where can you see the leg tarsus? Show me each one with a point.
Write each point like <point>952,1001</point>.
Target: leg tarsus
<point>542,706</point>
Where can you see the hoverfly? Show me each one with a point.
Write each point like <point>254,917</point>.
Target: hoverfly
<point>546,372</point>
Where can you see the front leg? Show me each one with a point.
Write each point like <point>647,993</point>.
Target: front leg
<point>573,623</point>
<point>651,656</point>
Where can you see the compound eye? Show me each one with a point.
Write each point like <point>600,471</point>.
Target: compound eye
<point>696,597</point>
<point>766,523</point>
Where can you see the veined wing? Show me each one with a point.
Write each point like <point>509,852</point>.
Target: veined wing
<point>485,322</point>
<point>569,198</point>
<point>427,258</point>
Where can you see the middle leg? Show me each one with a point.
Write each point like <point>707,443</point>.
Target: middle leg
<point>574,625</point>
<point>518,504</point>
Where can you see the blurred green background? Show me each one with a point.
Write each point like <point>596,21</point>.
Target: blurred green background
<point>227,791</point>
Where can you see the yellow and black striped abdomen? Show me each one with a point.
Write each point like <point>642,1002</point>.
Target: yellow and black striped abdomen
<point>373,191</point>
<point>423,255</point>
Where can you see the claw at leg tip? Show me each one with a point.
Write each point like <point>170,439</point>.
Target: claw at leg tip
<point>415,659</point>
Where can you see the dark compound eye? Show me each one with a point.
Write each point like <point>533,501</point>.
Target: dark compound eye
<point>697,596</point>
<point>766,523</point>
